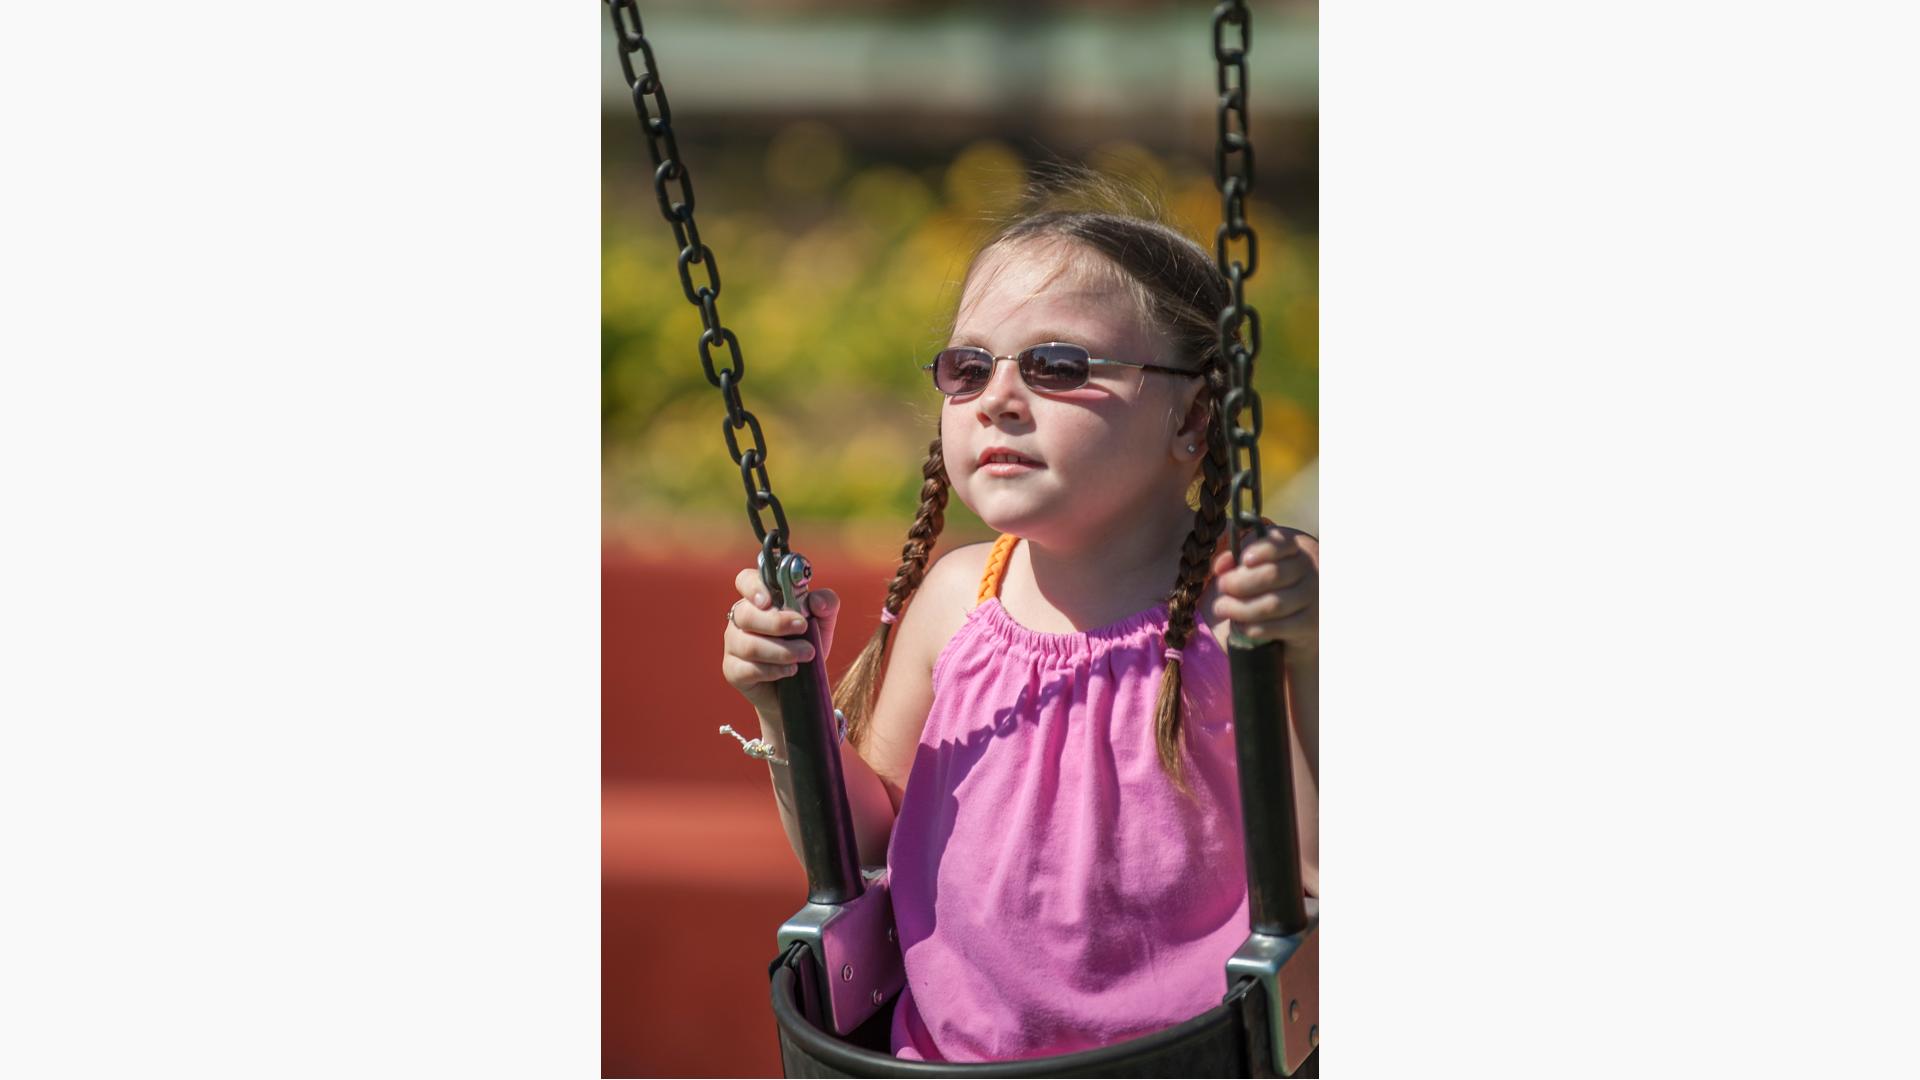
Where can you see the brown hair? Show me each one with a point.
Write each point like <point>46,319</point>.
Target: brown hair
<point>1180,292</point>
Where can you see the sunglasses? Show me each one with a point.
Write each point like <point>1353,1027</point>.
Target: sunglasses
<point>1050,368</point>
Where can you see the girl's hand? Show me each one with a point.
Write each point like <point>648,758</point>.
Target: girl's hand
<point>1274,594</point>
<point>760,647</point>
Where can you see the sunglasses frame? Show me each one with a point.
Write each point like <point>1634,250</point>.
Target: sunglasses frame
<point>1015,357</point>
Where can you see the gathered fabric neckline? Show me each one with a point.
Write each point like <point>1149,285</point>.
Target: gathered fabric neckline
<point>1001,624</point>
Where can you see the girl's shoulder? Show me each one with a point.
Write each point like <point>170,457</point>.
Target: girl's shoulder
<point>952,586</point>
<point>933,616</point>
<point>939,607</point>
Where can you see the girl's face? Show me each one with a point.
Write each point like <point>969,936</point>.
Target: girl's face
<point>1102,454</point>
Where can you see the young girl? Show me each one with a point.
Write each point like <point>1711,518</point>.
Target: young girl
<point>1047,767</point>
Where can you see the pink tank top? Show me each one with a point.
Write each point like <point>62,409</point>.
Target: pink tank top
<point>1053,891</point>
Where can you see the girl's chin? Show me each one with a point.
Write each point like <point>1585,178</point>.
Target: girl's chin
<point>1021,517</point>
<point>1001,511</point>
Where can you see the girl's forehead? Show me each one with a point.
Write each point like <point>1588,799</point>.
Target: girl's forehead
<point>1047,292</point>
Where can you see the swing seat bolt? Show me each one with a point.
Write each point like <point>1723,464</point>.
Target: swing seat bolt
<point>846,973</point>
<point>876,997</point>
<point>1293,1010</point>
<point>1313,1035</point>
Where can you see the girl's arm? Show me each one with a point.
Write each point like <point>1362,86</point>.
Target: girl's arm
<point>1275,596</point>
<point>866,799</point>
<point>876,774</point>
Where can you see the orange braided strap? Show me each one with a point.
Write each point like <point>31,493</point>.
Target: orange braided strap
<point>996,567</point>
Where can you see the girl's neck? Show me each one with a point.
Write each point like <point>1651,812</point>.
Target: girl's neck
<point>1100,581</point>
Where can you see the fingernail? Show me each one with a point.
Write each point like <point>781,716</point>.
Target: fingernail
<point>760,599</point>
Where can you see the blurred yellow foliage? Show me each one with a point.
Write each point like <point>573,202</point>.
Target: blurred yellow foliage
<point>889,198</point>
<point>839,278</point>
<point>985,178</point>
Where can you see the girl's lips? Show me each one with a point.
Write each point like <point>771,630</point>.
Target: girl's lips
<point>1008,468</point>
<point>991,452</point>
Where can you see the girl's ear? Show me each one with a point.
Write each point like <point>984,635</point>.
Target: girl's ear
<point>1193,428</point>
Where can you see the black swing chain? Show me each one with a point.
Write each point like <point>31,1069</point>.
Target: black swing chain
<point>657,124</point>
<point>1233,173</point>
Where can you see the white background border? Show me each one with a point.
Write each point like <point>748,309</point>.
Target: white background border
<point>299,581</point>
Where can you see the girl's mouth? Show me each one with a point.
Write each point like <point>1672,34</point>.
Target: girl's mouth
<point>1008,467</point>
<point>1000,461</point>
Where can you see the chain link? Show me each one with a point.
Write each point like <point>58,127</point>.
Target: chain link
<point>673,188</point>
<point>1233,173</point>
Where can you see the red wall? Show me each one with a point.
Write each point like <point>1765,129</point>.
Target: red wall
<point>696,873</point>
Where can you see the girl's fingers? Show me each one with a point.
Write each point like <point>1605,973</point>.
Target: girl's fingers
<point>776,623</point>
<point>740,672</point>
<point>1268,549</point>
<point>1273,590</point>
<point>1300,622</point>
<point>826,608</point>
<point>747,582</point>
<point>1275,547</point>
<point>1267,607</point>
<point>754,613</point>
<point>757,648</point>
<point>759,643</point>
<point>1248,582</point>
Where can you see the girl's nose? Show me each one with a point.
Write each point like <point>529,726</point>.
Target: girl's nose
<point>1005,392</point>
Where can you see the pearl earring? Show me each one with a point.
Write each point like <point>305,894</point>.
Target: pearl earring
<point>1191,448</point>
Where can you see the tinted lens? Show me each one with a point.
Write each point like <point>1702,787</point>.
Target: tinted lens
<point>962,371</point>
<point>1054,367</point>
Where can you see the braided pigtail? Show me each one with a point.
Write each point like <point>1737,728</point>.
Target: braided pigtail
<point>860,687</point>
<point>1196,556</point>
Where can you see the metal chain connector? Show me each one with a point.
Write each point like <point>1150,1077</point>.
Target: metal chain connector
<point>673,187</point>
<point>1233,173</point>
